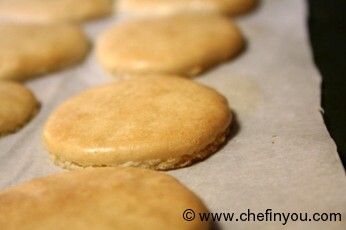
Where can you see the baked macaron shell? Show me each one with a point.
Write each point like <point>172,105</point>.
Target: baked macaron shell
<point>31,50</point>
<point>18,106</point>
<point>107,198</point>
<point>151,122</point>
<point>184,44</point>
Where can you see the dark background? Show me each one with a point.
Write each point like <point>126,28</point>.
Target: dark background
<point>327,27</point>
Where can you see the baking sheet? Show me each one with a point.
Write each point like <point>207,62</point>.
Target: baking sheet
<point>280,156</point>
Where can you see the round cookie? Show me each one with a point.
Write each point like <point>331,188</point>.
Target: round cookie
<point>53,11</point>
<point>184,44</point>
<point>166,7</point>
<point>151,122</point>
<point>31,50</point>
<point>17,106</point>
<point>108,198</point>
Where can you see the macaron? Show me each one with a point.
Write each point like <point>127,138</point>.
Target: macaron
<point>18,106</point>
<point>53,11</point>
<point>103,199</point>
<point>156,122</point>
<point>184,44</point>
<point>167,7</point>
<point>27,51</point>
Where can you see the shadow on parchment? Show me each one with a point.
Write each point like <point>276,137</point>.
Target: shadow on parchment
<point>215,226</point>
<point>233,131</point>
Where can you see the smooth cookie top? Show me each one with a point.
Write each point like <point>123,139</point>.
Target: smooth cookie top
<point>31,50</point>
<point>185,44</point>
<point>139,120</point>
<point>53,11</point>
<point>17,106</point>
<point>109,198</point>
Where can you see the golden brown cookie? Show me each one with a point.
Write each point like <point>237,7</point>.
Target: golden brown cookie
<point>181,44</point>
<point>17,106</point>
<point>151,122</point>
<point>165,7</point>
<point>53,11</point>
<point>109,198</point>
<point>31,50</point>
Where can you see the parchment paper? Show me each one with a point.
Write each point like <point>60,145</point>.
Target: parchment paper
<point>280,155</point>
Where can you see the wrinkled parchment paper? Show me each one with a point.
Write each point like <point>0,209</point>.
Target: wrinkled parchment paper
<point>280,156</point>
